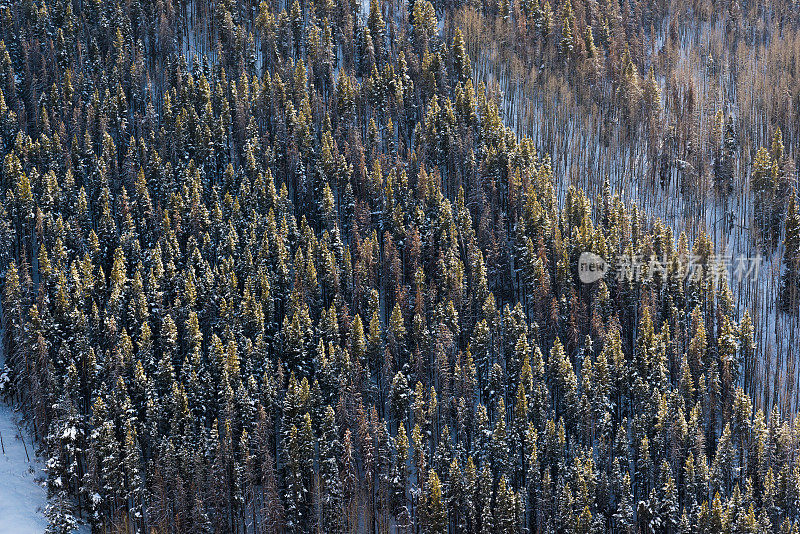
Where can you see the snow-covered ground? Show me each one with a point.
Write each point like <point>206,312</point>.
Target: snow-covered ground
<point>22,498</point>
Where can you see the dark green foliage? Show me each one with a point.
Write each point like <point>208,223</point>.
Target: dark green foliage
<point>287,270</point>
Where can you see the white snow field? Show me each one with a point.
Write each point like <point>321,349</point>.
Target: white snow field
<point>22,499</point>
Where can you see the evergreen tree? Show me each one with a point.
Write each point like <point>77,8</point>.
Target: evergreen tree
<point>790,283</point>
<point>297,267</point>
<point>434,513</point>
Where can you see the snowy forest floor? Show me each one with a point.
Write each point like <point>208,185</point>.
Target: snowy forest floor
<point>22,498</point>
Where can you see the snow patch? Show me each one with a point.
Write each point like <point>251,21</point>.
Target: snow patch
<point>22,498</point>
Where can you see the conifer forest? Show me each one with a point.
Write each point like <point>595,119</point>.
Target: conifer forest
<point>290,266</point>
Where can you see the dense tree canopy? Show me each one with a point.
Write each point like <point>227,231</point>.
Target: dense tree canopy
<point>288,267</point>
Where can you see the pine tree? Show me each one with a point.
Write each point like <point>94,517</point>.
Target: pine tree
<point>790,282</point>
<point>434,513</point>
<point>564,383</point>
<point>505,510</point>
<point>762,184</point>
<point>567,22</point>
<point>326,284</point>
<point>630,86</point>
<point>499,443</point>
<point>399,477</point>
<point>624,515</point>
<point>377,29</point>
<point>747,350</point>
<point>669,509</point>
<point>484,501</point>
<point>461,62</point>
<point>60,514</point>
<point>424,23</point>
<point>651,95</point>
<point>295,491</point>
